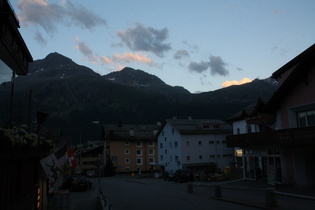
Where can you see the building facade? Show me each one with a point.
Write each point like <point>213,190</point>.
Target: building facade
<point>132,148</point>
<point>194,143</point>
<point>281,147</point>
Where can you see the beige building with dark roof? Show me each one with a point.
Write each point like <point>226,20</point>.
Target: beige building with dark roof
<point>131,148</point>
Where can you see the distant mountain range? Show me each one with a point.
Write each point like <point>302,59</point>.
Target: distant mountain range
<point>74,95</point>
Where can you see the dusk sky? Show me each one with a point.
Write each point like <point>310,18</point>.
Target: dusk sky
<point>201,45</point>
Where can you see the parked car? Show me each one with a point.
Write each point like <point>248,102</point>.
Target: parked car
<point>168,175</point>
<point>90,173</point>
<point>79,184</point>
<point>184,175</point>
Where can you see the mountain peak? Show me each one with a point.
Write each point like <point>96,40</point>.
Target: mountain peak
<point>131,77</point>
<point>58,58</point>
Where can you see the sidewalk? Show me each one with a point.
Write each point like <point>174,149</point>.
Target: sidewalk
<point>253,193</point>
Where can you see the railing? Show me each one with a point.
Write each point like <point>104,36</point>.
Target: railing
<point>261,197</point>
<point>285,137</point>
<point>103,201</point>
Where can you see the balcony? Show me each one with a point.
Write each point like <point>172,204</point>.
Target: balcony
<point>285,137</point>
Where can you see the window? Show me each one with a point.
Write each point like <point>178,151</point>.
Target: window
<point>161,157</point>
<point>215,126</point>
<point>170,144</point>
<point>139,144</point>
<point>306,118</point>
<point>162,133</point>
<point>187,143</point>
<point>176,158</point>
<point>211,142</point>
<point>219,156</point>
<point>151,143</point>
<point>218,142</point>
<point>172,130</point>
<point>151,152</point>
<point>200,157</point>
<point>139,161</point>
<point>127,160</point>
<point>188,158</point>
<point>223,142</point>
<point>161,145</point>
<point>176,144</point>
<point>164,138</point>
<point>165,151</point>
<point>199,142</point>
<point>249,129</point>
<point>227,155</point>
<point>212,156</point>
<point>151,160</point>
<point>171,157</point>
<point>127,151</point>
<point>127,143</point>
<point>139,152</point>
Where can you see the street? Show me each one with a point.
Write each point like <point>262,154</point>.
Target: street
<point>127,192</point>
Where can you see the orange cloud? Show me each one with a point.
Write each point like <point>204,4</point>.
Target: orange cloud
<point>130,57</point>
<point>106,60</point>
<point>234,82</point>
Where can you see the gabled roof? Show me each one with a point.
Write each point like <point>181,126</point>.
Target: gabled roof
<point>130,132</point>
<point>189,126</point>
<point>301,64</point>
<point>252,109</point>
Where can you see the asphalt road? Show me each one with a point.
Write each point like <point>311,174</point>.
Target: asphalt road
<point>127,192</point>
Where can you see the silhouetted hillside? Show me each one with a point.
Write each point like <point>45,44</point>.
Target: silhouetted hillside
<point>74,95</point>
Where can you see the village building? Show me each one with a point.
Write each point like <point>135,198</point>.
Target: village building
<point>197,144</point>
<point>277,136</point>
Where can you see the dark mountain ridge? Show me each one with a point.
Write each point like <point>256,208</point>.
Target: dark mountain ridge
<point>75,95</point>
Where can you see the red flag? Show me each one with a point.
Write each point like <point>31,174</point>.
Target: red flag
<point>70,156</point>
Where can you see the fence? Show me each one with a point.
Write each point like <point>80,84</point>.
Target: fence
<point>103,201</point>
<point>256,197</point>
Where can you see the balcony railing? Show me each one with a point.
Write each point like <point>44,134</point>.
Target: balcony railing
<point>285,137</point>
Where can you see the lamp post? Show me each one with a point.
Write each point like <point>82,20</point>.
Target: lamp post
<point>93,122</point>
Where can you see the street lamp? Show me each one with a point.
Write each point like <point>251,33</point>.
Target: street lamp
<point>93,122</point>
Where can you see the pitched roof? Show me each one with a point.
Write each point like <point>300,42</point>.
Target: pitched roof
<point>130,132</point>
<point>301,64</point>
<point>189,126</point>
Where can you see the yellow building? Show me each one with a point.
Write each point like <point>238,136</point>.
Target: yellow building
<point>131,148</point>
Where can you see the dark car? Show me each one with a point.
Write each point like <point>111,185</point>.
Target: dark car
<point>184,175</point>
<point>79,184</point>
<point>168,175</point>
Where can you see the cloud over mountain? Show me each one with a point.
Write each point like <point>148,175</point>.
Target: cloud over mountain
<point>215,64</point>
<point>140,38</point>
<point>49,15</point>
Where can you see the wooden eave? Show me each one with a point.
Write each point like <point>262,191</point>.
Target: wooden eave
<point>14,52</point>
